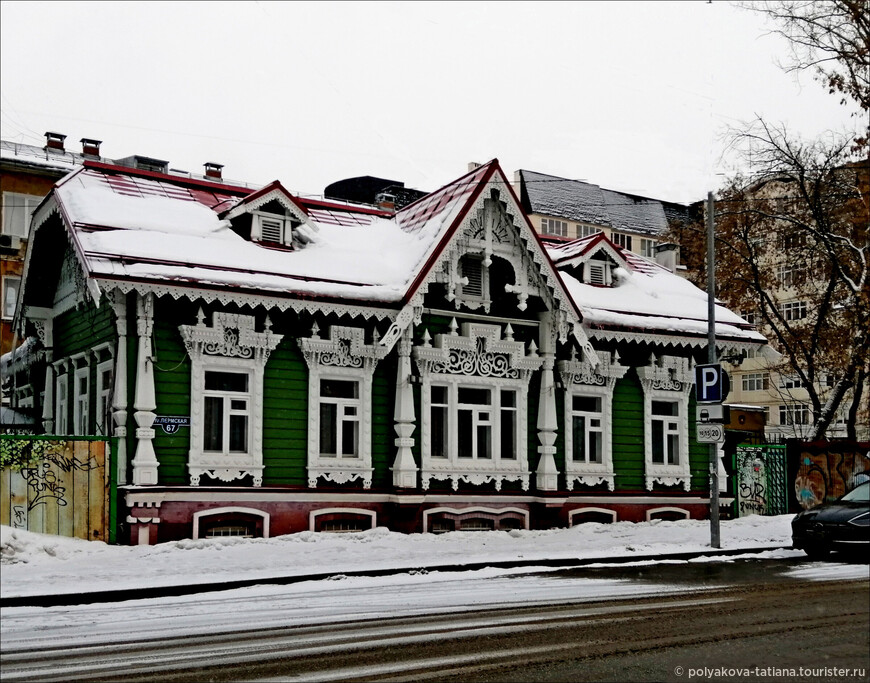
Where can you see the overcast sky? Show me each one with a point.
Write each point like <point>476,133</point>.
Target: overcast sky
<point>630,96</point>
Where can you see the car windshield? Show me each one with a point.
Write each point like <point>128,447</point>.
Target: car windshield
<point>860,494</point>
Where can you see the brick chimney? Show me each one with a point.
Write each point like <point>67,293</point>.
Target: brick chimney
<point>91,148</point>
<point>54,141</point>
<point>385,201</point>
<point>213,170</point>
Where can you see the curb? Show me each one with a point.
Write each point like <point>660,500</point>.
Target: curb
<point>124,594</point>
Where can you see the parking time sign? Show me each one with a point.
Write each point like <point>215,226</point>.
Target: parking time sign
<point>711,383</point>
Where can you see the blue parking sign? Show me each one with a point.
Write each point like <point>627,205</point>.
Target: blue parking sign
<point>711,383</point>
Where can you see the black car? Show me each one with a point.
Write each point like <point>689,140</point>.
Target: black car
<point>841,525</point>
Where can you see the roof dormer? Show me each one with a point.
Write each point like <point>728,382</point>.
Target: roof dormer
<point>272,217</point>
<point>591,261</point>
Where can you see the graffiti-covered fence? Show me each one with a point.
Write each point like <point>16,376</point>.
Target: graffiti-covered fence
<point>827,470</point>
<point>761,480</point>
<point>57,485</point>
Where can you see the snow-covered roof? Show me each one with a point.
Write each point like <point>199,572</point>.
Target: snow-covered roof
<point>31,155</point>
<point>588,203</point>
<point>144,227</point>
<point>141,227</point>
<point>644,297</point>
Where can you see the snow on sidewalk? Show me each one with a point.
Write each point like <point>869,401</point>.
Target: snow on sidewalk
<point>34,564</point>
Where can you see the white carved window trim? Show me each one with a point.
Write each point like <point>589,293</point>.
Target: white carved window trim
<point>478,359</point>
<point>668,380</point>
<point>231,344</point>
<point>582,379</point>
<point>344,356</point>
<point>81,400</point>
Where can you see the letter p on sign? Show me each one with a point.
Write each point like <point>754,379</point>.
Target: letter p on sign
<point>708,383</point>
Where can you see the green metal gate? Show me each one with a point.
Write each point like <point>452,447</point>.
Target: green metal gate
<point>761,481</point>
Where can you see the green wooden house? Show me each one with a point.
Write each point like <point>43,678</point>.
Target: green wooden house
<point>272,364</point>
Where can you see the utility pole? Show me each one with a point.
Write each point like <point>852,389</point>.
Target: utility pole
<point>711,358</point>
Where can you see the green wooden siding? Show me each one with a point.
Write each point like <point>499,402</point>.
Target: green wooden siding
<point>628,434</point>
<point>285,416</point>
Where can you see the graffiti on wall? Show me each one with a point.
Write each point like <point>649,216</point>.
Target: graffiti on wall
<point>825,474</point>
<point>761,476</point>
<point>55,486</point>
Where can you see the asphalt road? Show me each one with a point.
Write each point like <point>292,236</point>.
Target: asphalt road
<point>743,620</point>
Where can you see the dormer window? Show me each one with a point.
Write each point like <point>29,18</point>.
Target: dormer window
<point>272,229</point>
<point>597,273</point>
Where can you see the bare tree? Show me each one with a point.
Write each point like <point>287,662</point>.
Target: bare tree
<point>831,39</point>
<point>793,246</point>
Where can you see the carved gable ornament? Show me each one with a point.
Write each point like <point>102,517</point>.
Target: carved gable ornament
<point>479,351</point>
<point>231,335</point>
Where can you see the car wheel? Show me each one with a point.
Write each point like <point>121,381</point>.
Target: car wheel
<point>817,550</point>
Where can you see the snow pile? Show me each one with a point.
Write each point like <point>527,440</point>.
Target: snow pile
<point>38,563</point>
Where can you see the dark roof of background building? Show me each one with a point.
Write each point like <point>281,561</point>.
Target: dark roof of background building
<point>583,202</point>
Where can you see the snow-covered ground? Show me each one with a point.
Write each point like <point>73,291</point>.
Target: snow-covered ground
<point>34,564</point>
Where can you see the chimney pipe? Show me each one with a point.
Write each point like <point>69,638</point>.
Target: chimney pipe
<point>668,255</point>
<point>91,148</point>
<point>54,141</point>
<point>213,170</point>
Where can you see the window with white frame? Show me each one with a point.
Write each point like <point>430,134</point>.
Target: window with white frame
<point>749,316</point>
<point>622,240</point>
<point>474,422</point>
<point>103,418</point>
<point>553,226</point>
<point>790,381</point>
<point>469,421</point>
<point>793,310</point>
<point>756,381</point>
<point>587,429</point>
<point>226,412</point>
<point>81,399</point>
<point>474,402</point>
<point>61,403</point>
<point>340,411</point>
<point>667,383</point>
<point>477,285</point>
<point>794,414</point>
<point>11,286</point>
<point>17,209</point>
<point>588,399</point>
<point>789,274</point>
<point>665,432</point>
<point>597,272</point>
<point>228,362</point>
<point>586,230</point>
<point>648,247</point>
<point>340,371</point>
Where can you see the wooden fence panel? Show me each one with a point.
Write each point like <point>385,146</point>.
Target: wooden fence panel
<point>56,486</point>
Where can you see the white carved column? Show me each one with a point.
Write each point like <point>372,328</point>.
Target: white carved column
<point>404,468</point>
<point>119,398</point>
<point>44,332</point>
<point>547,475</point>
<point>145,463</point>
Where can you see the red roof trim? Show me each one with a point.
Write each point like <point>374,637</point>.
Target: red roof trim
<point>271,187</point>
<point>564,294</point>
<point>177,180</point>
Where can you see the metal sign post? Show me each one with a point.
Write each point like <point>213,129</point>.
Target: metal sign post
<point>711,359</point>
